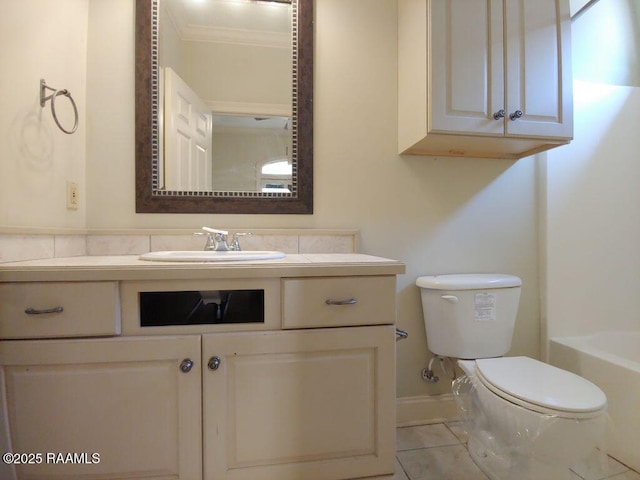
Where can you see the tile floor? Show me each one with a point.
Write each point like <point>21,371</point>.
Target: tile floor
<point>438,452</point>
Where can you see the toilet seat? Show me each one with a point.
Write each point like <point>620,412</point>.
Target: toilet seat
<point>541,387</point>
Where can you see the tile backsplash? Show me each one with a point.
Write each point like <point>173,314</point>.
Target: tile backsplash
<point>16,247</point>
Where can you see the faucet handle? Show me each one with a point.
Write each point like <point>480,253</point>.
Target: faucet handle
<point>216,231</point>
<point>219,238</point>
<point>235,241</point>
<point>211,243</point>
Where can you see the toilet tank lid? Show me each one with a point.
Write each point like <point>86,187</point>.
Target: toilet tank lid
<point>468,281</point>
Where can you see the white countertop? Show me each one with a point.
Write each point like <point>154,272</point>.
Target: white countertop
<point>130,267</point>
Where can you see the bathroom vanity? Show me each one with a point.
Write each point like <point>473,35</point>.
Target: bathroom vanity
<point>274,369</point>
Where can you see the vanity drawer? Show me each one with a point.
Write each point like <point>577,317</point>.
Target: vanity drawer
<point>59,309</point>
<point>338,301</point>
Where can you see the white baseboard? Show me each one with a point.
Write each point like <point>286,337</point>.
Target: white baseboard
<point>425,409</point>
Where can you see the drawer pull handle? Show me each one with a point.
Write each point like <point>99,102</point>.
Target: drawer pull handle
<point>351,301</point>
<point>33,311</point>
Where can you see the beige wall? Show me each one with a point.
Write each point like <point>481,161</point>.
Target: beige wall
<point>592,259</point>
<point>110,181</point>
<point>607,37</point>
<point>591,199</point>
<point>40,39</point>
<point>437,215</point>
<point>589,189</point>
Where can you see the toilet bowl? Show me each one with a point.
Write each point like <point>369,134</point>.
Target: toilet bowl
<point>528,419</point>
<point>525,419</point>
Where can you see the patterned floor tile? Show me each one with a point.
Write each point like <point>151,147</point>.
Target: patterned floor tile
<point>424,436</point>
<point>441,463</point>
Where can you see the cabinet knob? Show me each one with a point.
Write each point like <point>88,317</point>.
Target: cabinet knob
<point>214,363</point>
<point>499,114</point>
<point>515,115</point>
<point>186,365</point>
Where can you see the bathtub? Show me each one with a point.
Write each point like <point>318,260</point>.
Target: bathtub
<point>611,360</point>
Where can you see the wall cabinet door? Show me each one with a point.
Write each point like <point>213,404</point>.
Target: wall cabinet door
<point>467,66</point>
<point>312,404</point>
<point>490,56</point>
<point>125,399</point>
<point>487,78</point>
<point>538,68</point>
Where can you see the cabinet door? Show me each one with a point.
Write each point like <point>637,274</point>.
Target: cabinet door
<point>466,65</point>
<point>125,400</point>
<point>313,404</point>
<point>538,68</point>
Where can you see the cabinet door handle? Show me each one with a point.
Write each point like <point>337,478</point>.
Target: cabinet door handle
<point>515,115</point>
<point>499,114</point>
<point>33,311</point>
<point>186,365</point>
<point>351,301</point>
<point>214,363</point>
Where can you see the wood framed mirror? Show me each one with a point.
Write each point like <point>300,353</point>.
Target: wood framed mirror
<point>156,193</point>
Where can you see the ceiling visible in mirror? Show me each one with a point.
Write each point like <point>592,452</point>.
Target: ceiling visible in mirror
<point>238,21</point>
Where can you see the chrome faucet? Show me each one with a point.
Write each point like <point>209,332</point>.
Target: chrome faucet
<point>217,240</point>
<point>211,243</point>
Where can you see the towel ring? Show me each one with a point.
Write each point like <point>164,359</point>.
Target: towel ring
<point>52,97</point>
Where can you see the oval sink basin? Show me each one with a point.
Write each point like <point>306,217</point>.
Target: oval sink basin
<point>209,256</point>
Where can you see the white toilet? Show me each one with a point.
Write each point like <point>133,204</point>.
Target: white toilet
<point>526,420</point>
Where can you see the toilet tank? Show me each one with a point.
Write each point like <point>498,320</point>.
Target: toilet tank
<point>469,315</point>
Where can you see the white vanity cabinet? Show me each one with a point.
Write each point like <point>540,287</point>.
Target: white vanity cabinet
<point>59,309</point>
<point>125,407</point>
<point>488,78</point>
<point>305,391</point>
<point>315,404</point>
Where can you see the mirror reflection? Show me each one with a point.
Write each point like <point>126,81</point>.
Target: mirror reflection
<point>260,155</point>
<point>225,96</point>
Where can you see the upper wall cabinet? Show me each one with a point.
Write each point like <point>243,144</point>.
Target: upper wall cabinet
<point>484,78</point>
